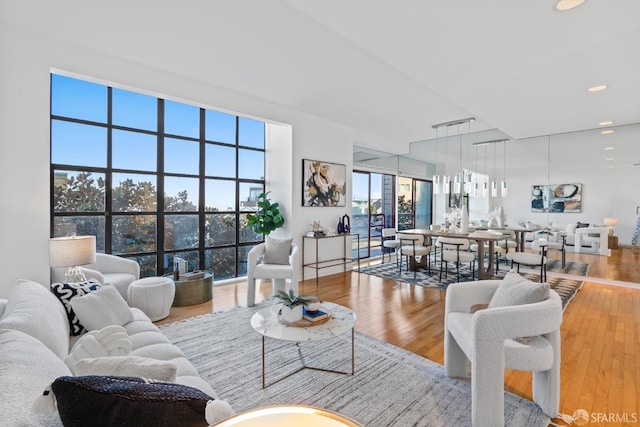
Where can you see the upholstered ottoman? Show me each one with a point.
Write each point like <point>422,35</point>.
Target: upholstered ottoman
<point>152,295</point>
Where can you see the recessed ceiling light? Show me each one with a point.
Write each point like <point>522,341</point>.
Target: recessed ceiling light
<point>610,148</point>
<point>597,88</point>
<point>609,159</point>
<point>606,123</point>
<point>611,167</point>
<point>562,5</point>
<point>607,131</point>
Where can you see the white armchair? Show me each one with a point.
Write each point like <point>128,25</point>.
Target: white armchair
<point>278,273</point>
<point>108,270</point>
<point>492,339</point>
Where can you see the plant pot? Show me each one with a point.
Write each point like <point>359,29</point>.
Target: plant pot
<point>291,314</point>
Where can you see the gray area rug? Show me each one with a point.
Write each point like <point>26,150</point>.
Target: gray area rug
<point>391,387</point>
<point>565,287</point>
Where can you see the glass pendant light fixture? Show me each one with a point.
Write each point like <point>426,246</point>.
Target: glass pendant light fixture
<point>467,181</point>
<point>460,178</point>
<point>503,184</point>
<point>476,185</point>
<point>485,183</point>
<point>436,177</point>
<point>494,183</point>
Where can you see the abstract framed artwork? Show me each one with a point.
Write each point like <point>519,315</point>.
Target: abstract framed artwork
<point>323,183</point>
<point>556,198</point>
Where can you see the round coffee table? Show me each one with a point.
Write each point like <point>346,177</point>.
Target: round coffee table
<point>266,323</point>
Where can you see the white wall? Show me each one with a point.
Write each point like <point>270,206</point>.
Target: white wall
<point>609,187</point>
<point>27,60</point>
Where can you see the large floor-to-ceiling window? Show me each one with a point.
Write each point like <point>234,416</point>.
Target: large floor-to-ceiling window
<point>153,178</point>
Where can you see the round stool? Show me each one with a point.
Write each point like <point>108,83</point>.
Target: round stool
<point>152,295</point>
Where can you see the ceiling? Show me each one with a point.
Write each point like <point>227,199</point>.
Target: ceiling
<point>390,68</point>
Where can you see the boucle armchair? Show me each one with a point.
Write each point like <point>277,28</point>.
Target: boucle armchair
<point>493,340</point>
<point>260,268</point>
<point>108,270</point>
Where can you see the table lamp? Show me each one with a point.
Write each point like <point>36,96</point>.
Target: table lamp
<point>610,222</point>
<point>71,252</point>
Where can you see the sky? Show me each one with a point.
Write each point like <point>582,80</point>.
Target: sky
<point>86,145</point>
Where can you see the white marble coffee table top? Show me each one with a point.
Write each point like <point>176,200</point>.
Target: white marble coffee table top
<point>266,323</point>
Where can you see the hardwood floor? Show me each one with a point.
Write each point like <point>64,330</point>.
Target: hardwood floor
<point>600,334</point>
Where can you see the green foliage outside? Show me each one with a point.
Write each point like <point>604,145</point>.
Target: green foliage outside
<point>405,213</point>
<point>84,192</point>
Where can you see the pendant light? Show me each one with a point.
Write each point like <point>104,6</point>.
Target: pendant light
<point>436,177</point>
<point>503,184</point>
<point>494,183</point>
<point>485,179</point>
<point>476,185</point>
<point>445,178</point>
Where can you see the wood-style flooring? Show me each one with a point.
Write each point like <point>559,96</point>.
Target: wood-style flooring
<point>600,334</point>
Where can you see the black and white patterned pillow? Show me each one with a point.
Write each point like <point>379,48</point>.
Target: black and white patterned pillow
<point>66,291</point>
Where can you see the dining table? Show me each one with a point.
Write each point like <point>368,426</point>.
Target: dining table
<point>481,236</point>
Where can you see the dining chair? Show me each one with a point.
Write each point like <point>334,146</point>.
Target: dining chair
<point>536,259</point>
<point>389,241</point>
<point>455,249</point>
<point>412,246</point>
<point>560,246</point>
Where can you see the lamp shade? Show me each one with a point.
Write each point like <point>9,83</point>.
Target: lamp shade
<point>72,251</point>
<point>610,221</point>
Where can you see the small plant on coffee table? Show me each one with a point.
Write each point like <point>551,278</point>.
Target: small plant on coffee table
<point>291,300</point>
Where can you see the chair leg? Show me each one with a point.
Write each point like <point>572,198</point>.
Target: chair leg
<point>279,285</point>
<point>441,264</point>
<point>251,292</point>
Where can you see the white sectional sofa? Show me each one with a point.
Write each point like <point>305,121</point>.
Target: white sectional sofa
<point>556,230</point>
<point>35,341</point>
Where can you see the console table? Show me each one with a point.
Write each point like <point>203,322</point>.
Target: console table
<point>331,262</point>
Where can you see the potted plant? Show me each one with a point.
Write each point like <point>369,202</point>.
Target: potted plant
<point>267,218</point>
<point>292,305</point>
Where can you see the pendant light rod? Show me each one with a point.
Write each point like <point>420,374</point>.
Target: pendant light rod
<point>493,141</point>
<point>454,122</point>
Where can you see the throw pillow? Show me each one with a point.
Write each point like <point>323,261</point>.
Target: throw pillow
<point>516,290</point>
<point>112,340</point>
<point>111,401</point>
<point>33,310</point>
<point>27,366</point>
<point>127,366</point>
<point>582,224</point>
<point>277,251</point>
<point>102,307</point>
<point>66,292</point>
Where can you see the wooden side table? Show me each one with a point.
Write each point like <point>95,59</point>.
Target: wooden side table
<point>613,241</point>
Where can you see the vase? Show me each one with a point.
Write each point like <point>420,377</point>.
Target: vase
<point>500,217</point>
<point>291,314</point>
<point>464,221</point>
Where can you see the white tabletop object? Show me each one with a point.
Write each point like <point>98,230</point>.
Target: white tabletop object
<point>266,323</point>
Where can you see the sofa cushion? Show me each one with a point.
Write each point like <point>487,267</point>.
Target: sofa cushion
<point>33,310</point>
<point>516,290</point>
<point>277,251</point>
<point>66,292</point>
<point>109,401</point>
<point>100,308</point>
<point>108,341</point>
<point>127,366</point>
<point>27,366</point>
